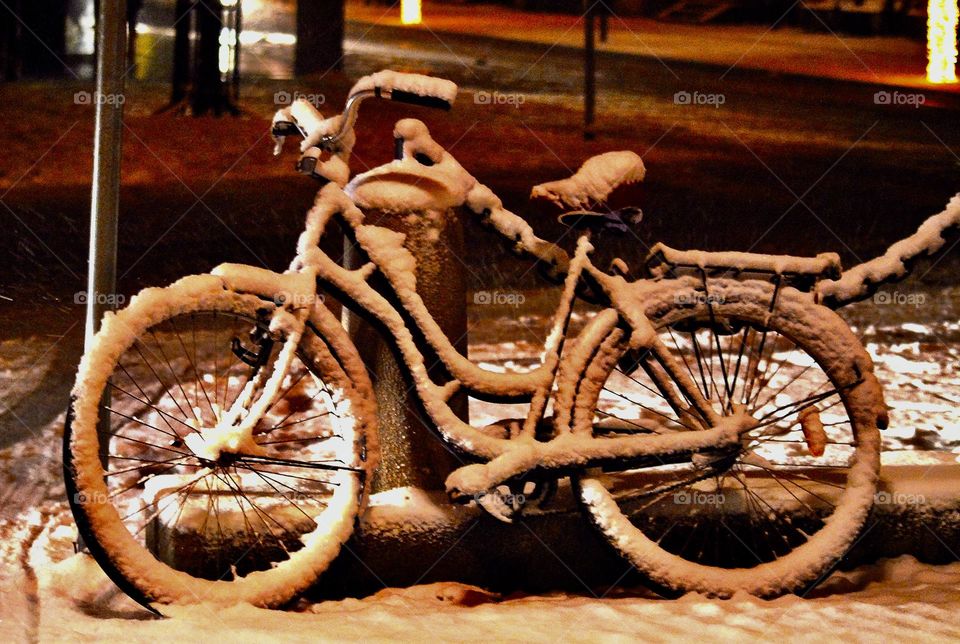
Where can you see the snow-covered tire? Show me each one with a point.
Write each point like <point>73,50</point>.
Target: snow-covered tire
<point>803,549</point>
<point>292,550</point>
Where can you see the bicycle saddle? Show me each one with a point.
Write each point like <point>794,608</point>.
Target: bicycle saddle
<point>615,220</point>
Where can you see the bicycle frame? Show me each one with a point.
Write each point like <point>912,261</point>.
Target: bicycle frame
<point>566,449</point>
<point>512,456</point>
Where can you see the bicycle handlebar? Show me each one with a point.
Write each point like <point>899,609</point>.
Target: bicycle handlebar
<point>413,89</point>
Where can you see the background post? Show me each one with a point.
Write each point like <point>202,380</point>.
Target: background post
<point>589,70</point>
<point>411,455</point>
<point>105,197</point>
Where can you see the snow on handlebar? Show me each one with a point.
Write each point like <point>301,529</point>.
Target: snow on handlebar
<point>415,89</point>
<point>335,135</point>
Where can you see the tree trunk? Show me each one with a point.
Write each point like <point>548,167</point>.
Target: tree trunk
<point>320,26</point>
<point>209,92</point>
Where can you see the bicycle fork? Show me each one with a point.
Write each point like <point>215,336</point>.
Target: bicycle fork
<point>235,429</point>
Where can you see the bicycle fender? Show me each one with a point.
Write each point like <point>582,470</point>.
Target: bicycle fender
<point>284,287</point>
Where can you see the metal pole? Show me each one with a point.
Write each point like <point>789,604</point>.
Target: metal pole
<point>589,72</point>
<point>105,198</point>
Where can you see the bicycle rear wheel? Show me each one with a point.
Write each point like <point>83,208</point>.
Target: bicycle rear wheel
<point>773,514</point>
<point>170,526</point>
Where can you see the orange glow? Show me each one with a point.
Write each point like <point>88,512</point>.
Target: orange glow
<point>942,41</point>
<point>410,12</point>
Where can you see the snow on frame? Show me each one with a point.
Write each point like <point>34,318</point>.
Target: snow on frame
<point>855,283</point>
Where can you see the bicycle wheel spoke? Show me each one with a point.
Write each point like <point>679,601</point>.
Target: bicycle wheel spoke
<point>199,388</point>
<point>304,439</point>
<point>143,479</point>
<point>164,415</point>
<point>699,355</point>
<point>166,360</point>
<point>775,373</point>
<point>166,389</point>
<point>683,357</point>
<point>296,422</point>
<point>145,400</point>
<point>638,404</point>
<point>736,370</point>
<point>139,422</point>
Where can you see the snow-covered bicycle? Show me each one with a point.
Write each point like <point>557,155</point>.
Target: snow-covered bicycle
<point>717,420</point>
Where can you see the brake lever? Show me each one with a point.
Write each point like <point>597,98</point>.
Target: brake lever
<point>285,128</point>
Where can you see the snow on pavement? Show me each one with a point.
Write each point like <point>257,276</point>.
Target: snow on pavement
<point>894,599</point>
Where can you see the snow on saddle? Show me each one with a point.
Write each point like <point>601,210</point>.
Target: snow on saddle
<point>594,181</point>
<point>590,186</point>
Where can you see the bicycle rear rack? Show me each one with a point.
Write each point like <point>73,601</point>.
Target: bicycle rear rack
<point>800,272</point>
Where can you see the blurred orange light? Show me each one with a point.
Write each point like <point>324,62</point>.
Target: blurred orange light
<point>410,12</point>
<point>942,41</point>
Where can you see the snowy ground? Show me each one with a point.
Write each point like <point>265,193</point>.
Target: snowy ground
<point>64,597</point>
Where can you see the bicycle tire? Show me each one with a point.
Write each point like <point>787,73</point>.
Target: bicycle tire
<point>622,505</point>
<point>283,553</point>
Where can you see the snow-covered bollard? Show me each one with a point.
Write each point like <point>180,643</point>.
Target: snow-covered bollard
<point>183,534</point>
<point>419,195</point>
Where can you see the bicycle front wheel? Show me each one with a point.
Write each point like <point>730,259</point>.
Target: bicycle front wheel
<point>772,514</point>
<point>169,526</point>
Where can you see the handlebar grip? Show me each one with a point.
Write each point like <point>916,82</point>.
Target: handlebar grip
<point>284,128</point>
<point>415,89</point>
<point>436,102</point>
<point>308,117</point>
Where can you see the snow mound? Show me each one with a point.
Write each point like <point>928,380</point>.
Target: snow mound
<point>894,599</point>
